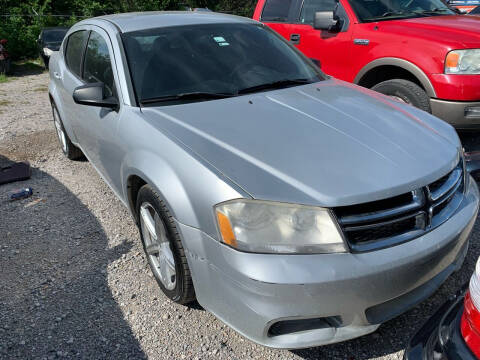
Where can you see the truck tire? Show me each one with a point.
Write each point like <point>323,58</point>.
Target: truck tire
<point>405,91</point>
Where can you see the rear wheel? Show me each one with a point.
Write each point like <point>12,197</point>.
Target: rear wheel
<point>163,247</point>
<point>405,91</point>
<point>71,151</point>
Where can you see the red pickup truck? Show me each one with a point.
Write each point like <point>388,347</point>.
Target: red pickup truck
<point>418,51</point>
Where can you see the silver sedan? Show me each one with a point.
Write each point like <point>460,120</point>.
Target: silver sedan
<point>299,209</point>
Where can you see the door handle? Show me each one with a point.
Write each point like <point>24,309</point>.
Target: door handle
<point>295,38</point>
<point>57,75</point>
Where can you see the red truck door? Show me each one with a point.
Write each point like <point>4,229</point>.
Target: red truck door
<point>293,19</point>
<point>331,49</point>
<point>277,14</point>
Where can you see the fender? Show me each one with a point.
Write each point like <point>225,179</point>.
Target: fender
<point>175,188</point>
<point>404,64</point>
<point>139,163</point>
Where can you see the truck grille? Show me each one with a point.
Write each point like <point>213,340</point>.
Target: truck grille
<point>383,223</point>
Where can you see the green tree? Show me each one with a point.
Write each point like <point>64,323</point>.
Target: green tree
<point>22,21</point>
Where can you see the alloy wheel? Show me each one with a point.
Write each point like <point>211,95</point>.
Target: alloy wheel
<point>157,246</point>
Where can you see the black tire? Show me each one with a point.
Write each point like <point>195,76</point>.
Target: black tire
<point>183,292</point>
<point>71,151</point>
<point>405,90</point>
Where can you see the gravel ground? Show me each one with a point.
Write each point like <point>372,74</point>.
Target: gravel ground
<point>75,283</point>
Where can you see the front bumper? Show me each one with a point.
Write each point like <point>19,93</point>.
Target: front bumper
<point>338,296</point>
<point>440,336</point>
<point>464,115</point>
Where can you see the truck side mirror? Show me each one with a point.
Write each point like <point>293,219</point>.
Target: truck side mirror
<point>325,20</point>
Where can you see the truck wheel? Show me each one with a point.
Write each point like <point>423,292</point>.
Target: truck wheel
<point>405,91</point>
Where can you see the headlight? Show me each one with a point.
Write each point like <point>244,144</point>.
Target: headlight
<point>271,227</point>
<point>463,62</point>
<point>47,51</point>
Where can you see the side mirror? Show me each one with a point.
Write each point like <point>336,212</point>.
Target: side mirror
<point>325,20</point>
<point>94,95</point>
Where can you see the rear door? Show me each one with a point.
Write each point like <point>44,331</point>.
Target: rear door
<point>68,77</point>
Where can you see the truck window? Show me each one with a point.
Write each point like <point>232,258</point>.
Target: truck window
<point>310,7</point>
<point>276,10</point>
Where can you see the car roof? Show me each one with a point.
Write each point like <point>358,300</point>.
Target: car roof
<point>128,22</point>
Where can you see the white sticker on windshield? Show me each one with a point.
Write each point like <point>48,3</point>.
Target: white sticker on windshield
<point>219,39</point>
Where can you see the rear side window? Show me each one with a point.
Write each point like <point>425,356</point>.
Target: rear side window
<point>310,7</point>
<point>74,53</point>
<point>276,10</point>
<point>97,67</point>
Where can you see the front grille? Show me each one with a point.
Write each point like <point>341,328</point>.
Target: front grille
<point>383,223</point>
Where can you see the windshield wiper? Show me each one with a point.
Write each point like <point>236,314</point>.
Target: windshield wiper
<point>198,95</point>
<point>433,11</point>
<point>393,13</point>
<point>274,85</point>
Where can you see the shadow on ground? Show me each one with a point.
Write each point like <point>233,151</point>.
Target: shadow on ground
<point>26,68</point>
<point>54,295</point>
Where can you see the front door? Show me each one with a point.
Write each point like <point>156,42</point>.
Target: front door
<point>330,49</point>
<point>277,14</point>
<point>98,126</point>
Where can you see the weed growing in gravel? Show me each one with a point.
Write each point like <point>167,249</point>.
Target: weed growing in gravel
<point>3,78</point>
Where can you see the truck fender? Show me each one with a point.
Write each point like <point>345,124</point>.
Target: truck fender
<point>404,64</point>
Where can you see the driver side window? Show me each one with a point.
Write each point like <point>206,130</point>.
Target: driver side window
<point>310,7</point>
<point>97,66</point>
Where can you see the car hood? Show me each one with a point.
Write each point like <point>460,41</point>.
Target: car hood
<point>453,30</point>
<point>329,144</point>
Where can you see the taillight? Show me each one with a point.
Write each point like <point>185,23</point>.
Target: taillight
<point>470,324</point>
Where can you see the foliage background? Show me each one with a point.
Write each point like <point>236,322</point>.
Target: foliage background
<point>22,20</point>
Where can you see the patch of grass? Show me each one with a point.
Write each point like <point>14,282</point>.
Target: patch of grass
<point>3,78</point>
<point>5,102</point>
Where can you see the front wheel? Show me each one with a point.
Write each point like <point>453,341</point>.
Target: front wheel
<point>405,91</point>
<point>163,247</point>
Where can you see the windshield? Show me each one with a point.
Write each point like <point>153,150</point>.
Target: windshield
<point>206,62</point>
<point>56,35</point>
<point>378,10</point>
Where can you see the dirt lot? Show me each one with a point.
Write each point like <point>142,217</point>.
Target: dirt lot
<point>74,280</point>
